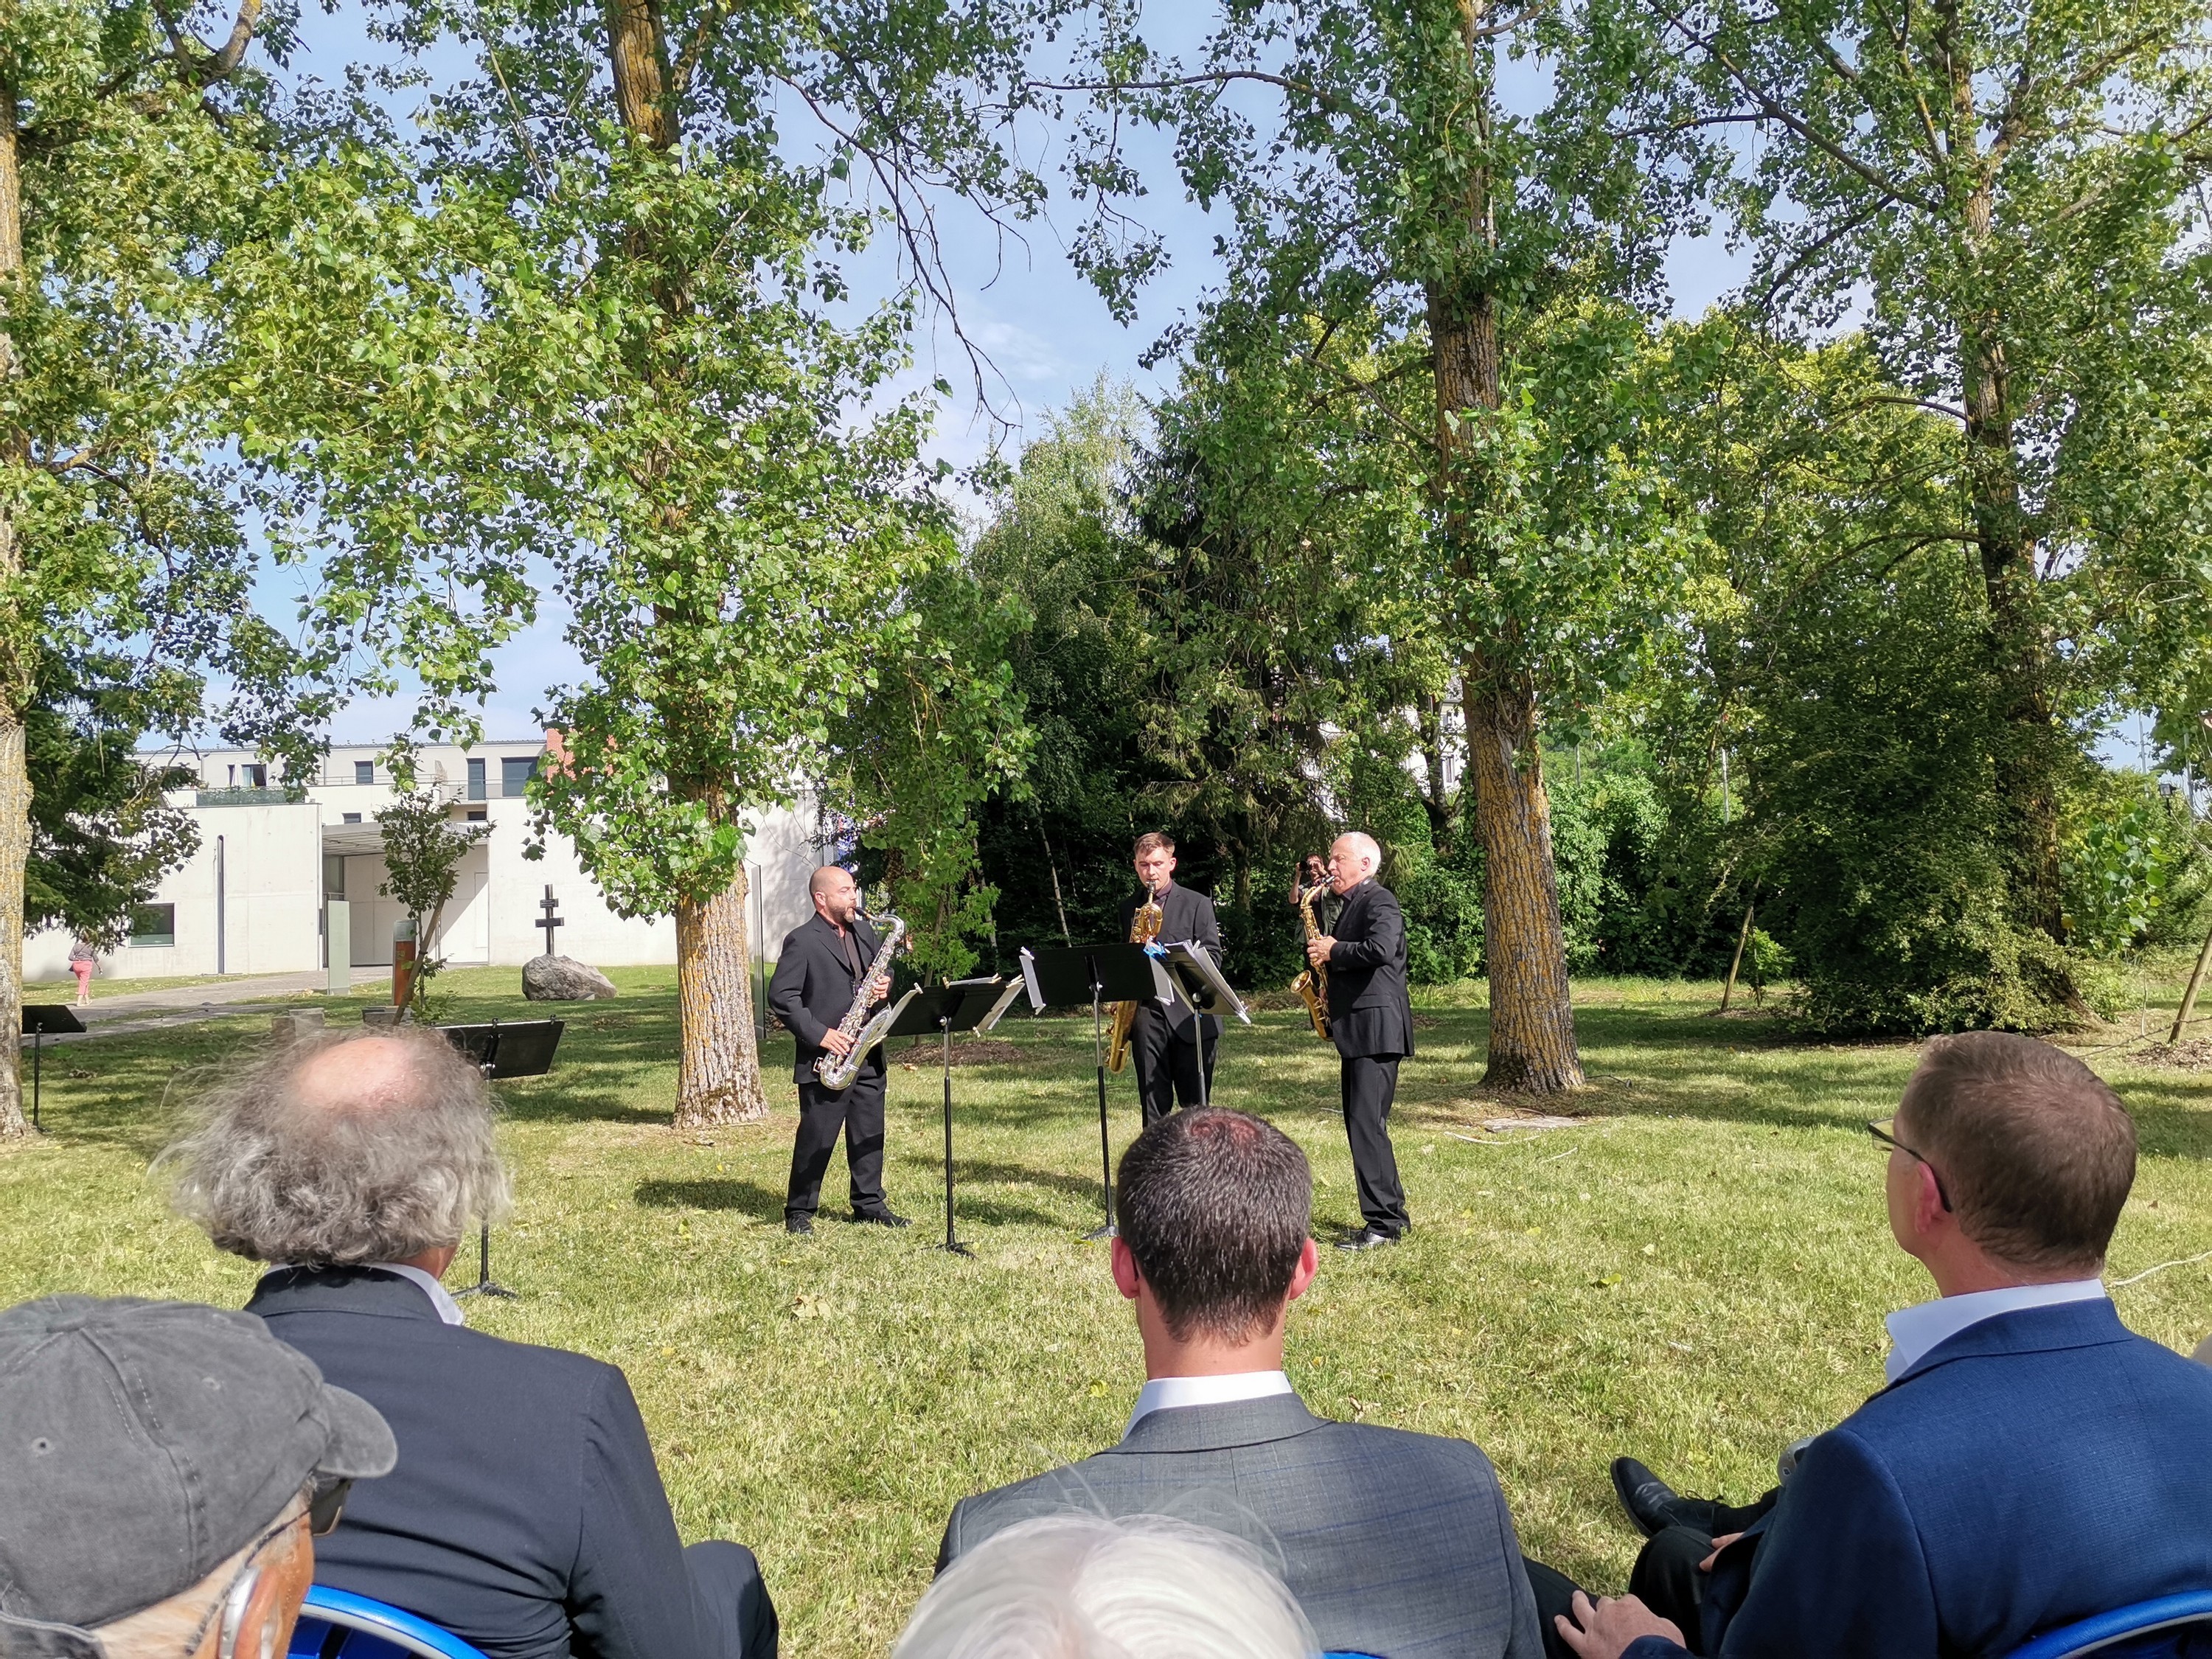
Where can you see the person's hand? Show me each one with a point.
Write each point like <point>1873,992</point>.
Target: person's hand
<point>1719,1544</point>
<point>1610,1624</point>
<point>1318,950</point>
<point>883,994</point>
<point>836,1042</point>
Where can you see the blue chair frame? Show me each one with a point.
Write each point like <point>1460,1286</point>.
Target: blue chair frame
<point>336,1623</point>
<point>2102,1630</point>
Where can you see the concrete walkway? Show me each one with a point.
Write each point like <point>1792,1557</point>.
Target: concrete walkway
<point>149,1010</point>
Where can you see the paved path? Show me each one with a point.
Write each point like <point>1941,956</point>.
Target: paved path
<point>149,1010</point>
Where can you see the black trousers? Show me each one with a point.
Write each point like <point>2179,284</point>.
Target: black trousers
<point>1167,1062</point>
<point>1370,1082</point>
<point>728,1580</point>
<point>1666,1578</point>
<point>858,1110</point>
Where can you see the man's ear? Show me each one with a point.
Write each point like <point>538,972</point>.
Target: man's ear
<point>1127,1278</point>
<point>1302,1274</point>
<point>1929,1215</point>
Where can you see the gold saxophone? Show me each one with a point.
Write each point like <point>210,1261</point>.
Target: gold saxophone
<point>1312,985</point>
<point>1143,928</point>
<point>837,1071</point>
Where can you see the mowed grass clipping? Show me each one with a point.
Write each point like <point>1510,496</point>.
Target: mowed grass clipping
<point>1695,1273</point>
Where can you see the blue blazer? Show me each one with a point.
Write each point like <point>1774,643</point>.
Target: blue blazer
<point>2036,1468</point>
<point>526,1514</point>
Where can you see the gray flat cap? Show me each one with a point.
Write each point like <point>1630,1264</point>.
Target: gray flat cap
<point>143,1443</point>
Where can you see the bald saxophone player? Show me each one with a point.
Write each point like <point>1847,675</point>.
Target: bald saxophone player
<point>823,964</point>
<point>1371,1021</point>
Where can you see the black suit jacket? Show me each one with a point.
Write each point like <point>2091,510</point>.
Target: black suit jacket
<point>1369,1012</point>
<point>1392,1542</point>
<point>1186,917</point>
<point>813,989</point>
<point>526,1514</point>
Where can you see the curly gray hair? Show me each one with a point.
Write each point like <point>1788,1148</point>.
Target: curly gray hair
<point>393,1157</point>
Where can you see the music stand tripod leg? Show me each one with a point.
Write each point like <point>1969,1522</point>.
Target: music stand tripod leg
<point>486,1284</point>
<point>952,1243</point>
<point>38,1075</point>
<point>1105,1138</point>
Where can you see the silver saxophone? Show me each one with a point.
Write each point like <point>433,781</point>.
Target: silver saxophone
<point>837,1071</point>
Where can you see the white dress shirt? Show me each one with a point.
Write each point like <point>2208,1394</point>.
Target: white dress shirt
<point>1916,1331</point>
<point>448,1310</point>
<point>1166,1393</point>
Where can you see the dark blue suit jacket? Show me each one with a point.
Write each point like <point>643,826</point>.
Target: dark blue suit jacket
<point>2037,1467</point>
<point>526,1501</point>
<point>1369,1012</point>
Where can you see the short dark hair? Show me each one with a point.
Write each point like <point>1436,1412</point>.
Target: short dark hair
<point>1153,840</point>
<point>1214,1207</point>
<point>2035,1150</point>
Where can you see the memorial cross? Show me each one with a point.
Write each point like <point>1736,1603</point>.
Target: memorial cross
<point>550,919</point>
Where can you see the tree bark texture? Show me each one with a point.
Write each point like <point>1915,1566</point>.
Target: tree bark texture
<point>2021,655</point>
<point>1532,1019</point>
<point>718,1074</point>
<point>15,679</point>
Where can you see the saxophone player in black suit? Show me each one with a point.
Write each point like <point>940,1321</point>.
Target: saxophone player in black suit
<point>817,977</point>
<point>1371,1021</point>
<point>1170,1044</point>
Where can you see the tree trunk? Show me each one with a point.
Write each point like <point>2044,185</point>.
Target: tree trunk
<point>1532,1020</point>
<point>2020,655</point>
<point>718,1071</point>
<point>15,675</point>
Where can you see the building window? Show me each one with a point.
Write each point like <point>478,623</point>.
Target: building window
<point>154,926</point>
<point>364,771</point>
<point>334,875</point>
<point>478,815</point>
<point>257,777</point>
<point>349,817</point>
<point>476,780</point>
<point>515,771</point>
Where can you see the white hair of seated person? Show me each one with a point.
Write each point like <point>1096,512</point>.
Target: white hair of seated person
<point>1080,1586</point>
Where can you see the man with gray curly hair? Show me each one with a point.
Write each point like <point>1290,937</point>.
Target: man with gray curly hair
<point>526,1514</point>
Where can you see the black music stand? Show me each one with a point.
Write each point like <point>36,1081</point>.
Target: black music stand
<point>1199,981</point>
<point>521,1047</point>
<point>965,1004</point>
<point>39,1018</point>
<point>1097,975</point>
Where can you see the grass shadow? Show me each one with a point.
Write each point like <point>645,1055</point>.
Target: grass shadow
<point>746,1197</point>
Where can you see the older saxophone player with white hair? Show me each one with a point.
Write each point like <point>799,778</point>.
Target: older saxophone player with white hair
<point>1371,1020</point>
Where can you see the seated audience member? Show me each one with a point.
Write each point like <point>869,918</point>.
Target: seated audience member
<point>1085,1587</point>
<point>161,1468</point>
<point>1392,1542</point>
<point>2032,1461</point>
<point>526,1514</point>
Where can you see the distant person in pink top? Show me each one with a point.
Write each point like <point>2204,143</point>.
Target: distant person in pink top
<point>82,959</point>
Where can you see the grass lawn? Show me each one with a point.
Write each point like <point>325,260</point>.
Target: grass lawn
<point>1696,1273</point>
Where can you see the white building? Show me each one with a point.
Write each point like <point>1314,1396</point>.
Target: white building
<point>257,896</point>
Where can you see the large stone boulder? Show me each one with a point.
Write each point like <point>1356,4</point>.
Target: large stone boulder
<point>564,979</point>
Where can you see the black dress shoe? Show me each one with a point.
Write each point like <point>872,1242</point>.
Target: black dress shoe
<point>1366,1238</point>
<point>1653,1504</point>
<point>798,1223</point>
<point>881,1218</point>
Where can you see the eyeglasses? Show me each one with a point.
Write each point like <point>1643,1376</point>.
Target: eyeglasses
<point>326,1507</point>
<point>1883,1135</point>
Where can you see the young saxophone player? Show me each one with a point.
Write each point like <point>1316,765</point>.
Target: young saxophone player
<point>818,977</point>
<point>1166,1042</point>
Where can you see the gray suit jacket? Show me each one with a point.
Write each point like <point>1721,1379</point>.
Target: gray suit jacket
<point>1394,1543</point>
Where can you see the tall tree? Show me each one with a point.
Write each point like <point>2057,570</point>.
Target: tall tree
<point>2009,190</point>
<point>139,150</point>
<point>1396,192</point>
<point>627,361</point>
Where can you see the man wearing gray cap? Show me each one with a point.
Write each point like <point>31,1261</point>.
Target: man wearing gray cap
<point>162,1469</point>
<point>526,1515</point>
